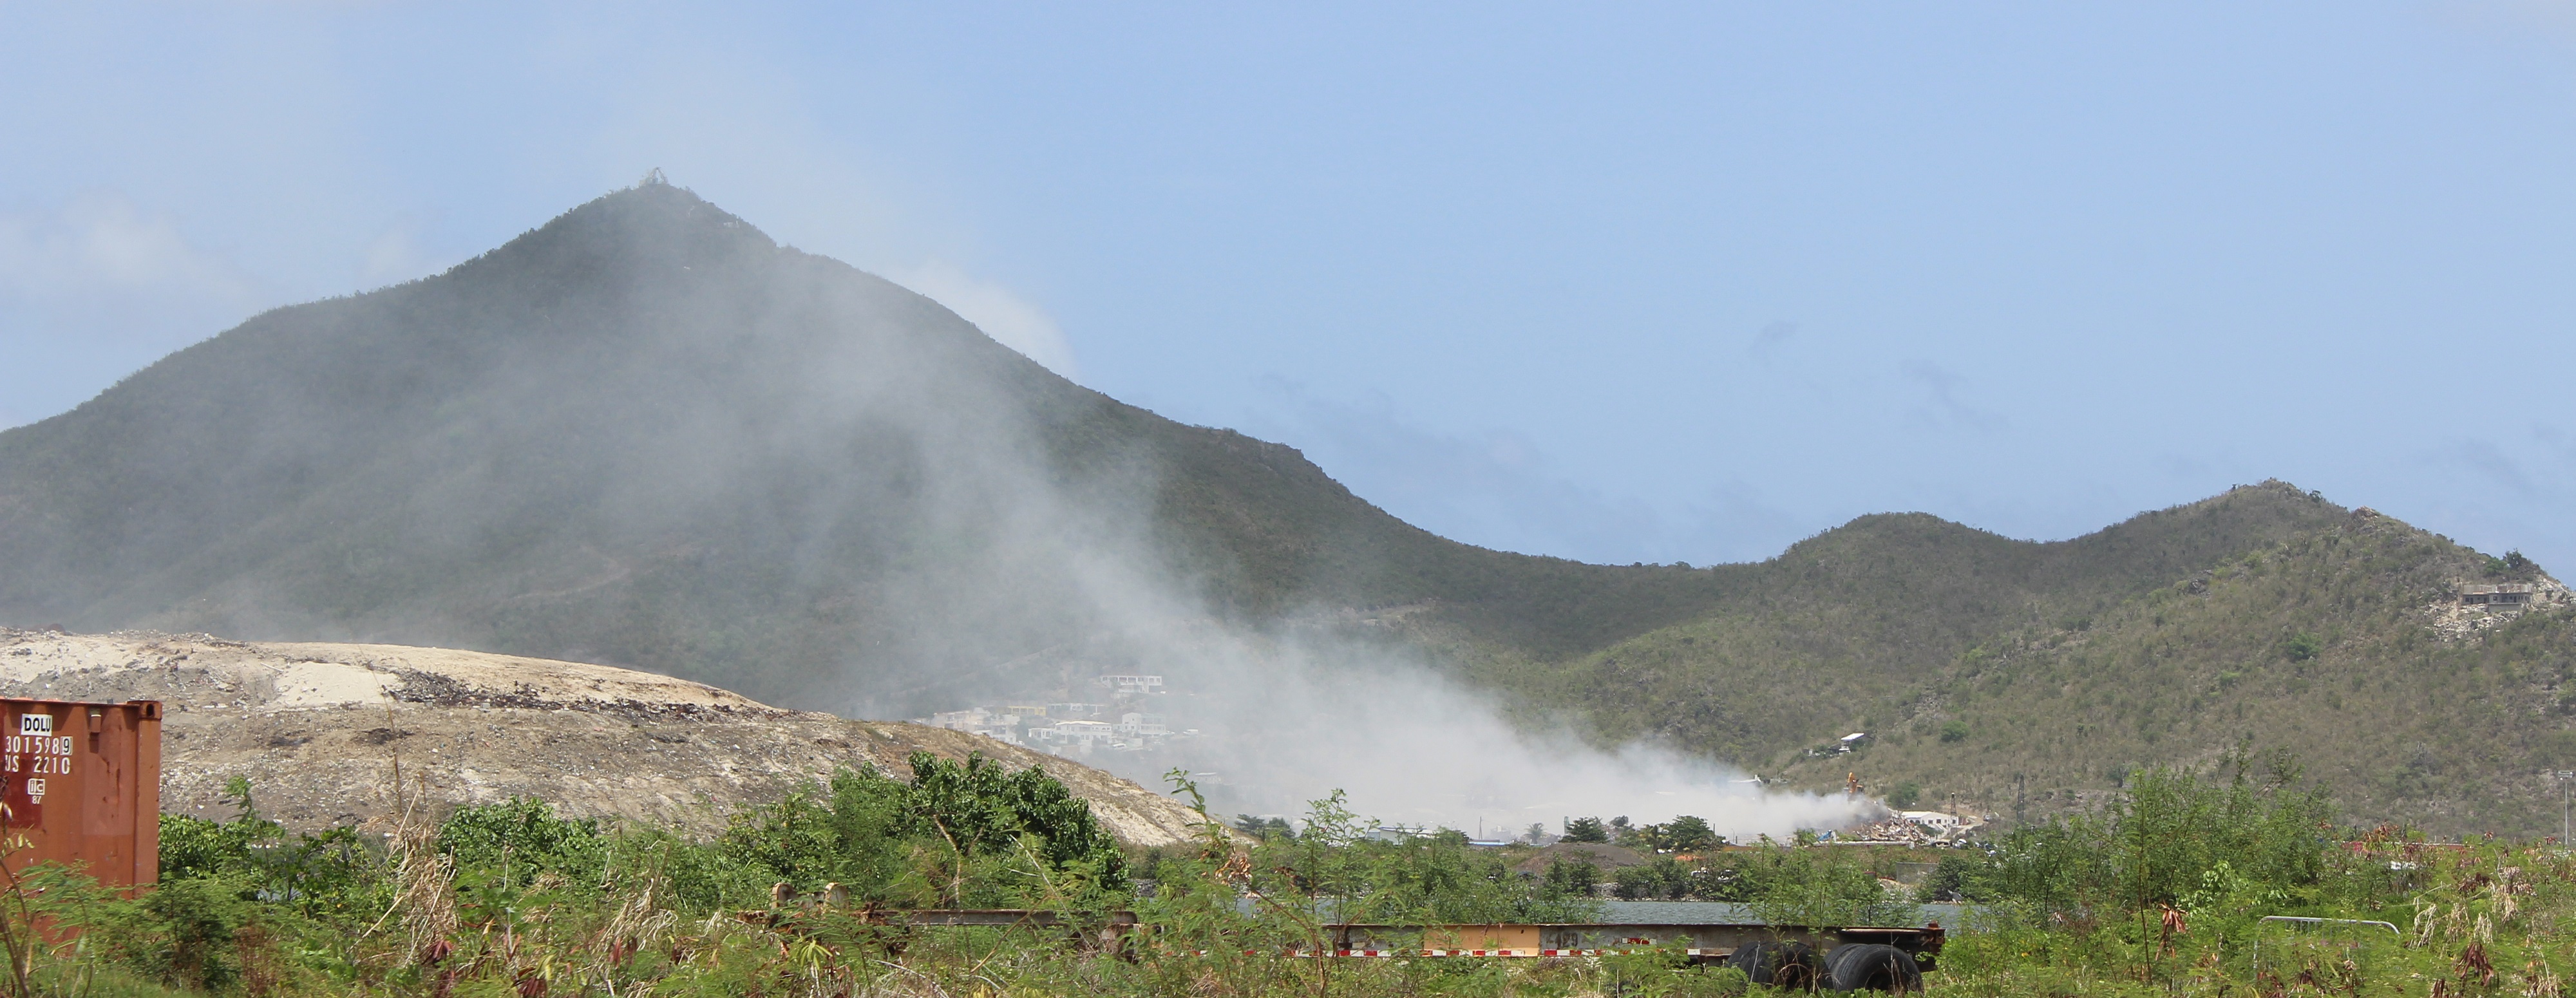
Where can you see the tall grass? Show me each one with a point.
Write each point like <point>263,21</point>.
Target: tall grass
<point>2165,890</point>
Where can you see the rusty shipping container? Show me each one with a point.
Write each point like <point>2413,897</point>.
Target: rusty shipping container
<point>80,783</point>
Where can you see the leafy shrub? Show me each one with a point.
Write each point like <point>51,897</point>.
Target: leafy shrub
<point>2514,565</point>
<point>1271,827</point>
<point>1571,878</point>
<point>1821,886</point>
<point>1685,833</point>
<point>199,920</point>
<point>883,839</point>
<point>1663,879</point>
<point>519,842</point>
<point>195,847</point>
<point>978,808</point>
<point>314,872</point>
<point>2159,842</point>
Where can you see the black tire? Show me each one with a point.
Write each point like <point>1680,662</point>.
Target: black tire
<point>1779,964</point>
<point>1872,967</point>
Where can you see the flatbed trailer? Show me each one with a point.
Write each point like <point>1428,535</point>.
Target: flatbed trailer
<point>1704,942</point>
<point>1701,941</point>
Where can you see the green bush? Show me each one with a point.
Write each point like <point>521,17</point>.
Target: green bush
<point>1571,878</point>
<point>200,922</point>
<point>886,840</point>
<point>315,873</point>
<point>521,843</point>
<point>980,809</point>
<point>195,847</point>
<point>1663,879</point>
<point>2160,842</point>
<point>1685,833</point>
<point>1821,886</point>
<point>1273,827</point>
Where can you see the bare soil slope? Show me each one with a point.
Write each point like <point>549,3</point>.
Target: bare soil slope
<point>319,729</point>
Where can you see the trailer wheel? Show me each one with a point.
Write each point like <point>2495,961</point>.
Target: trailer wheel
<point>1872,967</point>
<point>1789,965</point>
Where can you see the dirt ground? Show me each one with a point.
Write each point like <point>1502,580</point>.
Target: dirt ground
<point>320,730</point>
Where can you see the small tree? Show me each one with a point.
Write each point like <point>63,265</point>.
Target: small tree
<point>1661,880</point>
<point>2514,565</point>
<point>1690,833</point>
<point>1586,830</point>
<point>1264,828</point>
<point>1571,879</point>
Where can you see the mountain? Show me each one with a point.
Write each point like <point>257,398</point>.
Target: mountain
<point>644,434</point>
<point>1842,627</point>
<point>2347,647</point>
<point>2019,679</point>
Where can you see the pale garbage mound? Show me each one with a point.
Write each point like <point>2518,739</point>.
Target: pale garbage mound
<point>319,730</point>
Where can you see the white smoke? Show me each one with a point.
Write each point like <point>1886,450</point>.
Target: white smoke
<point>1002,314</point>
<point>1415,749</point>
<point>1293,710</point>
<point>902,486</point>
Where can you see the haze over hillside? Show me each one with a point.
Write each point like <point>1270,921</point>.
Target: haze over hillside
<point>646,435</point>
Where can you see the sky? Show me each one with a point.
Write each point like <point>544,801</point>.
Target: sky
<point>1621,283</point>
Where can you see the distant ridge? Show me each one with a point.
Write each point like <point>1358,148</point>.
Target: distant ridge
<point>645,434</point>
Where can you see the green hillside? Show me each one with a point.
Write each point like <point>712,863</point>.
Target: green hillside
<point>2021,679</point>
<point>1792,646</point>
<point>645,434</point>
<point>2345,645</point>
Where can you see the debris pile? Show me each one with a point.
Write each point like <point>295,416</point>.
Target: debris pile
<point>320,730</point>
<point>1888,831</point>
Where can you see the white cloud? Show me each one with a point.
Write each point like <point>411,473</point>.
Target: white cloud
<point>1006,317</point>
<point>393,257</point>
<point>102,244</point>
<point>95,289</point>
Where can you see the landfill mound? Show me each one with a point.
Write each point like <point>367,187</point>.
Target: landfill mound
<point>321,730</point>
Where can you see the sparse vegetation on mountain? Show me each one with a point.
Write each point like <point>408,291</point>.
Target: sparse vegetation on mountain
<point>2333,643</point>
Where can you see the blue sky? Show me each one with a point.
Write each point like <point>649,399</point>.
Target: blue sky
<point>1660,283</point>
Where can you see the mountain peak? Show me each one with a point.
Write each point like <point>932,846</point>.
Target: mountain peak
<point>652,225</point>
